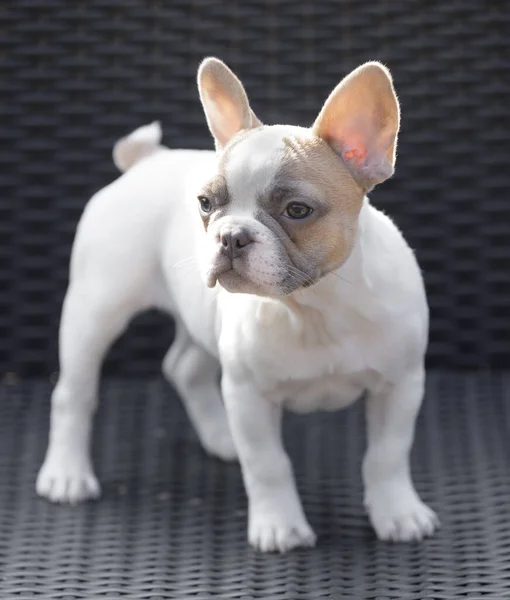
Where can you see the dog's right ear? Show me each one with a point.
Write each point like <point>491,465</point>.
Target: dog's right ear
<point>225,102</point>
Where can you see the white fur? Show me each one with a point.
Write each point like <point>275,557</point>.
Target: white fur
<point>142,142</point>
<point>361,328</point>
<point>250,169</point>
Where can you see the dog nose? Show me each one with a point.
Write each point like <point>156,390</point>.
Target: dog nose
<point>234,242</point>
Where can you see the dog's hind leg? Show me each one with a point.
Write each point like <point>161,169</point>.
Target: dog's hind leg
<point>195,374</point>
<point>92,317</point>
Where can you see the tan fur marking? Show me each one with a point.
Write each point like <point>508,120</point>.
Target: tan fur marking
<point>329,238</point>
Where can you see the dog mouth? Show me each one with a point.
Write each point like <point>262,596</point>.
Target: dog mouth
<point>235,280</point>
<point>236,275</point>
<point>226,272</point>
<point>214,274</point>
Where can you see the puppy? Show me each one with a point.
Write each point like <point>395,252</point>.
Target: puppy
<point>278,271</point>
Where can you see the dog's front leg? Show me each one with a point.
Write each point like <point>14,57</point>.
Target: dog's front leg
<point>395,509</point>
<point>276,521</point>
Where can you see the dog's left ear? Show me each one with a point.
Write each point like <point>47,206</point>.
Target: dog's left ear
<point>225,102</point>
<point>360,121</point>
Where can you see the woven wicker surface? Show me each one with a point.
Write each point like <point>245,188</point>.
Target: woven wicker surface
<point>172,522</point>
<point>77,75</point>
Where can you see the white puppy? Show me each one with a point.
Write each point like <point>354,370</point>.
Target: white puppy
<point>279,272</point>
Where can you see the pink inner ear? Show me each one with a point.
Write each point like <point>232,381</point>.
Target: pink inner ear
<point>351,145</point>
<point>357,156</point>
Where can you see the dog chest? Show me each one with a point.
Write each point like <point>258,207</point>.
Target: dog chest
<point>309,360</point>
<point>327,392</point>
<point>315,377</point>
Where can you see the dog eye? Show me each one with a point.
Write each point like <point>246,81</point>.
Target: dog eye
<point>296,210</point>
<point>205,204</point>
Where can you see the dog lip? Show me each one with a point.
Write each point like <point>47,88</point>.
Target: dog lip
<point>211,279</point>
<point>217,271</point>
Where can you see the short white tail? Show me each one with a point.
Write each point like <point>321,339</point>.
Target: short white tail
<point>138,144</point>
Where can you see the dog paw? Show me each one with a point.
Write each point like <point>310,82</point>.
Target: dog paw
<point>67,481</point>
<point>269,533</point>
<point>403,519</point>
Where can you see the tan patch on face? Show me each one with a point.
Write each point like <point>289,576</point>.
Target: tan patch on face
<point>313,167</point>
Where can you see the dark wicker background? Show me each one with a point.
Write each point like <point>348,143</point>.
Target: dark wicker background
<point>75,76</point>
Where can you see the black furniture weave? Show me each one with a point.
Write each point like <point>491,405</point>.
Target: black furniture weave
<point>172,522</point>
<point>77,75</point>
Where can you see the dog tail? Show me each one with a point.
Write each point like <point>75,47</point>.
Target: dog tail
<point>138,144</point>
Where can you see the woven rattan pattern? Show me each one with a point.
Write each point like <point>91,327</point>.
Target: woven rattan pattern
<point>77,75</point>
<point>172,522</point>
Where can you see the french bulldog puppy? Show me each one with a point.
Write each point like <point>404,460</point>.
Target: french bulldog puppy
<point>280,274</point>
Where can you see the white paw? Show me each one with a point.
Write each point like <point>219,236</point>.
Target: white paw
<point>277,533</point>
<point>62,479</point>
<point>401,517</point>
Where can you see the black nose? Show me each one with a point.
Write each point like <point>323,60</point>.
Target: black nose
<point>235,241</point>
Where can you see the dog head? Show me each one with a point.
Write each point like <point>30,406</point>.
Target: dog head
<point>282,210</point>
